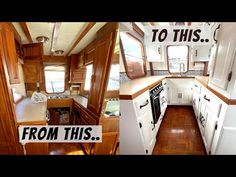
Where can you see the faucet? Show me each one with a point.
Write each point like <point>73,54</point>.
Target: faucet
<point>181,73</point>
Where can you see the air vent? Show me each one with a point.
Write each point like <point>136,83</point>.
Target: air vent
<point>180,95</point>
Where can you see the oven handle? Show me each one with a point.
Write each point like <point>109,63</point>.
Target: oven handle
<point>141,106</point>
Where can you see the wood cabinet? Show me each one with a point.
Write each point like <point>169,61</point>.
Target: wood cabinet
<point>81,59</point>
<point>77,74</point>
<point>102,63</point>
<point>225,56</point>
<point>33,71</point>
<point>10,53</point>
<point>33,51</point>
<point>89,53</point>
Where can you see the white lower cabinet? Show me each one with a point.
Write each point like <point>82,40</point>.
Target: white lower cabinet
<point>180,91</point>
<point>147,131</point>
<point>210,126</point>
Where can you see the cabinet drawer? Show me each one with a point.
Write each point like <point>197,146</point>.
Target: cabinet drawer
<point>213,104</point>
<point>142,103</point>
<point>87,117</point>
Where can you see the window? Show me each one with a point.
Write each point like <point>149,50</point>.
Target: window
<point>55,79</point>
<point>132,54</point>
<point>177,59</point>
<point>89,72</point>
<point>113,83</point>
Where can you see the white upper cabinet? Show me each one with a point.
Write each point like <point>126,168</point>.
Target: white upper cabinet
<point>154,53</point>
<point>201,53</point>
<point>204,52</point>
<point>225,55</point>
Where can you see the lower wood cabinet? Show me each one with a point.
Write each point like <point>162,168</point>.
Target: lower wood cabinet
<point>110,131</point>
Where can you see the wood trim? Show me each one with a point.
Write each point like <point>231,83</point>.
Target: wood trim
<point>32,123</point>
<point>232,101</point>
<point>16,34</point>
<point>80,37</point>
<point>137,29</point>
<point>219,95</point>
<point>55,35</point>
<point>124,58</point>
<point>26,31</point>
<point>151,68</point>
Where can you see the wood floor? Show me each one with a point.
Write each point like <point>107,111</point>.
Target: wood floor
<point>65,149</point>
<point>179,133</point>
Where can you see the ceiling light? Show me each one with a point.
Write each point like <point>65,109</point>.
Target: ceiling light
<point>42,39</point>
<point>59,52</point>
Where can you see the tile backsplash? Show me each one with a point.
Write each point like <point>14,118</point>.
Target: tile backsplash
<point>124,77</point>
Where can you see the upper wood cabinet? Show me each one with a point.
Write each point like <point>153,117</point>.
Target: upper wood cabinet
<point>102,62</point>
<point>77,74</point>
<point>33,71</point>
<point>10,54</point>
<point>89,53</point>
<point>33,51</point>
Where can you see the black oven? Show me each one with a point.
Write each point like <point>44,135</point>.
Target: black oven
<point>155,102</point>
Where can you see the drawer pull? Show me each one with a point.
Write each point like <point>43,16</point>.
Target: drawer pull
<point>206,98</point>
<point>141,106</point>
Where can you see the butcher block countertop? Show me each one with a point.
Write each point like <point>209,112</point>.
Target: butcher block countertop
<point>133,88</point>
<point>29,112</point>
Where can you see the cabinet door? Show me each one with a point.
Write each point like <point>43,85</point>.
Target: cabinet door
<point>11,57</point>
<point>32,71</point>
<point>33,51</point>
<point>201,53</point>
<point>147,131</point>
<point>154,53</point>
<point>81,59</point>
<point>78,76</point>
<point>102,63</point>
<point>224,56</point>
<point>209,129</point>
<point>89,54</point>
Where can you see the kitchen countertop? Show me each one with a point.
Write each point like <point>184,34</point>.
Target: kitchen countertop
<point>83,101</point>
<point>27,111</point>
<point>131,89</point>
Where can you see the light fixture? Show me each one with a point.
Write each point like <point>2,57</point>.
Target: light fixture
<point>59,52</point>
<point>42,39</point>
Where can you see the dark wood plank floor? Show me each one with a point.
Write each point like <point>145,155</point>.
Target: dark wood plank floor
<point>179,133</point>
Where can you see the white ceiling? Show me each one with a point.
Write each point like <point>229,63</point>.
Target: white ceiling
<point>68,34</point>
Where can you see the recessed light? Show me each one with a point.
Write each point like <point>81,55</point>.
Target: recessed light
<point>42,39</point>
<point>59,52</point>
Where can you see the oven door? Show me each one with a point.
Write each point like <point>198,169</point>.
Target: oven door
<point>156,109</point>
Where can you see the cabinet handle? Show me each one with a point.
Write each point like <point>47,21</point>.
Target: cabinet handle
<point>164,83</point>
<point>195,53</point>
<point>206,98</point>
<point>215,33</point>
<point>196,85</point>
<point>144,104</point>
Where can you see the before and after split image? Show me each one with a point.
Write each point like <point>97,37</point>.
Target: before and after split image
<point>117,88</point>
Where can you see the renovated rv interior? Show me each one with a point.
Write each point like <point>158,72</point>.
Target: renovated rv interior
<point>76,67</point>
<point>177,99</point>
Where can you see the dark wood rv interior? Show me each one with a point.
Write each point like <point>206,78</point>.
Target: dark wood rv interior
<point>80,106</point>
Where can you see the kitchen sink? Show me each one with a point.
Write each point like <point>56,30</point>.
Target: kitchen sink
<point>58,96</point>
